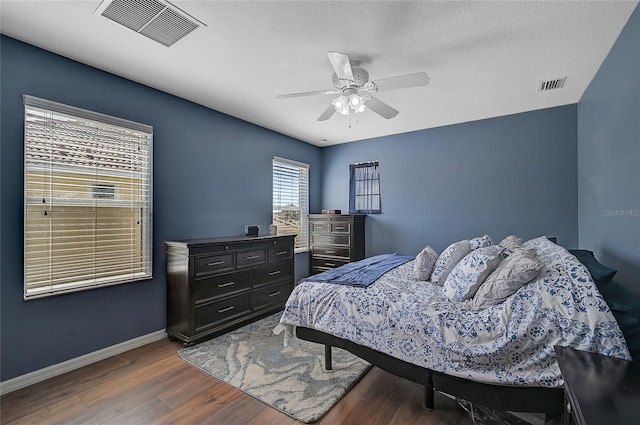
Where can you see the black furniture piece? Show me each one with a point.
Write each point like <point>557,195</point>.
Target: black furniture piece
<point>336,239</point>
<point>218,284</point>
<point>501,397</point>
<point>599,390</point>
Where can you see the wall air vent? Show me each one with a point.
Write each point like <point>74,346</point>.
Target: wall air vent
<point>159,20</point>
<point>551,84</point>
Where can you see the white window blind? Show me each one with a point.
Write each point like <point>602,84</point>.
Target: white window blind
<point>291,200</point>
<point>87,199</point>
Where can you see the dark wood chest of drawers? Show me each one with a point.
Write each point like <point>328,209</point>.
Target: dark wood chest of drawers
<point>336,239</point>
<point>215,285</point>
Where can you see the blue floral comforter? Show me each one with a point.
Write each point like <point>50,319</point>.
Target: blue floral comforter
<point>509,343</point>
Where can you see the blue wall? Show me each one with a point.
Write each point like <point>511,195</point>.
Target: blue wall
<point>515,174</point>
<point>551,172</point>
<point>212,176</point>
<point>609,158</point>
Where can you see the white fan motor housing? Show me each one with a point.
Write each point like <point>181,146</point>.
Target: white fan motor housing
<point>360,77</point>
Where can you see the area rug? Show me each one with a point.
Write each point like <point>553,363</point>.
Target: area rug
<point>291,379</point>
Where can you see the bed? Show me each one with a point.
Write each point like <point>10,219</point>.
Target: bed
<point>498,354</point>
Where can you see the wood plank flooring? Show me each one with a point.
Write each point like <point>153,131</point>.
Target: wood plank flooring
<point>153,385</point>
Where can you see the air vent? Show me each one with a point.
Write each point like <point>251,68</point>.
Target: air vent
<point>158,20</point>
<point>551,84</point>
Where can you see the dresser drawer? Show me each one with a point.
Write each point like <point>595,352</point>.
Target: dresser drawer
<point>271,295</point>
<point>340,227</point>
<point>210,315</point>
<point>249,258</point>
<point>279,253</point>
<point>214,263</point>
<point>221,285</point>
<point>327,263</point>
<point>331,240</point>
<point>331,251</point>
<point>272,272</point>
<point>320,227</point>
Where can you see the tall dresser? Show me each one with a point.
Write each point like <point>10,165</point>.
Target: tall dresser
<point>336,239</point>
<point>215,285</point>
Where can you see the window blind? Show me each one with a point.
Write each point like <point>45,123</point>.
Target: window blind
<point>364,188</point>
<point>291,200</point>
<point>87,199</point>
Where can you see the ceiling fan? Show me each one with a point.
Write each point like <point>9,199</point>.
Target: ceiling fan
<point>350,79</point>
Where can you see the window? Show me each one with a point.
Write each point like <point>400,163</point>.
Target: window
<point>364,188</point>
<point>87,199</point>
<point>291,200</point>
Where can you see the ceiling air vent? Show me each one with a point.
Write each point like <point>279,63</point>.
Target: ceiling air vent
<point>159,20</point>
<point>551,84</point>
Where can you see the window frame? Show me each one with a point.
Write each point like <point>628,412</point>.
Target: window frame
<point>135,198</point>
<point>370,190</point>
<point>303,245</point>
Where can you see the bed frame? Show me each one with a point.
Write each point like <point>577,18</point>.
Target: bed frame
<point>502,397</point>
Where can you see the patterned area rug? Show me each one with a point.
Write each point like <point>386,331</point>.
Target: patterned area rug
<point>291,379</point>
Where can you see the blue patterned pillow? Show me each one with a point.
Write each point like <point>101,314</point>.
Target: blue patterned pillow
<point>467,276</point>
<point>480,242</point>
<point>423,265</point>
<point>448,260</point>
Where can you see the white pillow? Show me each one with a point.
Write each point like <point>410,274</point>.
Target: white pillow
<point>424,263</point>
<point>480,242</point>
<point>519,268</point>
<point>467,276</point>
<point>511,243</point>
<point>448,260</point>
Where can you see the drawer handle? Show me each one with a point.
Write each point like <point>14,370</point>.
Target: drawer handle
<point>330,252</point>
<point>252,257</point>
<point>273,273</point>
<point>222,285</point>
<point>330,264</point>
<point>215,263</point>
<point>340,228</point>
<point>282,253</point>
<point>223,310</point>
<point>274,294</point>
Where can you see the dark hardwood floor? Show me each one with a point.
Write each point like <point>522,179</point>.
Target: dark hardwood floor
<point>153,385</point>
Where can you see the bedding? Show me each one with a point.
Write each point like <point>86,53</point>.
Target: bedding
<point>362,273</point>
<point>507,343</point>
<point>519,268</point>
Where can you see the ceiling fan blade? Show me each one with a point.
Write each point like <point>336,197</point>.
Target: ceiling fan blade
<point>307,93</point>
<point>402,81</point>
<point>381,108</point>
<point>341,65</point>
<point>328,113</point>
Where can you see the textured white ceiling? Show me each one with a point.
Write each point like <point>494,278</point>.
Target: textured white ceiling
<point>484,58</point>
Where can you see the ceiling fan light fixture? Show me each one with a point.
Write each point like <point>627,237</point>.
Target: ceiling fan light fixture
<point>339,101</point>
<point>344,104</point>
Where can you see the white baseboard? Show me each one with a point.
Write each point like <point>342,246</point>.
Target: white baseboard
<point>40,375</point>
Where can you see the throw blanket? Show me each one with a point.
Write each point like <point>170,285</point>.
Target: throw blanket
<point>361,273</point>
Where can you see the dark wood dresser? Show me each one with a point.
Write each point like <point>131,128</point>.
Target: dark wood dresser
<point>215,285</point>
<point>336,239</point>
<point>599,390</point>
